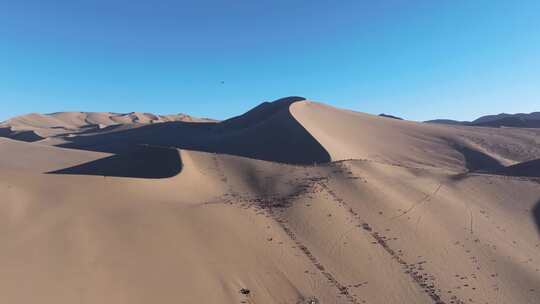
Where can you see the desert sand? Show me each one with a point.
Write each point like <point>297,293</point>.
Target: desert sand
<point>294,201</point>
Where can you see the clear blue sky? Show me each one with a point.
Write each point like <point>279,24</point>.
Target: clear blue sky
<point>416,59</point>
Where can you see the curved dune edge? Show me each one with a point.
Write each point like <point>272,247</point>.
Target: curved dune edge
<point>38,158</point>
<point>138,162</point>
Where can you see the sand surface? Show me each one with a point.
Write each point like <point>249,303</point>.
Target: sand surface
<point>345,207</point>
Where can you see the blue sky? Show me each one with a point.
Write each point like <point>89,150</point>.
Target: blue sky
<point>416,59</point>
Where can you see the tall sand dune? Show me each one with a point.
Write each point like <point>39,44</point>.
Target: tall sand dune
<point>268,132</point>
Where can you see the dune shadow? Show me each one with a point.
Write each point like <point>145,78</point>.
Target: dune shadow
<point>267,132</point>
<point>478,161</point>
<point>27,136</point>
<point>139,161</point>
<point>526,169</point>
<point>5,132</point>
<point>536,215</point>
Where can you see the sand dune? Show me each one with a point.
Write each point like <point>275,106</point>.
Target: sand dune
<point>392,212</point>
<point>268,132</point>
<point>69,123</point>
<point>353,135</point>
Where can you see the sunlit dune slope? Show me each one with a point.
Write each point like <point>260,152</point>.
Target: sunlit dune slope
<point>353,135</point>
<point>339,233</point>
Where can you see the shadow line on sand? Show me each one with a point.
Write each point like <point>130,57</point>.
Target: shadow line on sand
<point>536,215</point>
<point>138,162</point>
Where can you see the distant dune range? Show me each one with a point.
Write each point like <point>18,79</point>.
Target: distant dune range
<point>273,132</point>
<point>294,201</point>
<point>34,127</point>
<point>520,120</point>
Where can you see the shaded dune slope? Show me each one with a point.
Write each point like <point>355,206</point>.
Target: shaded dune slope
<point>28,136</point>
<point>138,161</point>
<point>477,161</point>
<point>267,132</point>
<point>528,169</point>
<point>37,158</point>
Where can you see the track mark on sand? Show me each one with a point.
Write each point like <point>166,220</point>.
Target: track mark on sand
<point>270,204</point>
<point>426,198</point>
<point>472,232</point>
<point>415,271</point>
<point>344,290</point>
